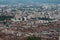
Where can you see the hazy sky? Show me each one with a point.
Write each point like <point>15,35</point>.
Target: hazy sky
<point>28,1</point>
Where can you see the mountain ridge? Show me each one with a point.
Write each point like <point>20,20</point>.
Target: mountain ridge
<point>28,1</point>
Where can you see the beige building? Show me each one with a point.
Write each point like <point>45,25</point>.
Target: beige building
<point>18,14</point>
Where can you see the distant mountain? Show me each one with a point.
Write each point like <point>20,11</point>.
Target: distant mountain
<point>28,1</point>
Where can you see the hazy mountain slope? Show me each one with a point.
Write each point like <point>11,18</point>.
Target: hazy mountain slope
<point>28,1</point>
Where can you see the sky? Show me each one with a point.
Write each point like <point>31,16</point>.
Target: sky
<point>29,1</point>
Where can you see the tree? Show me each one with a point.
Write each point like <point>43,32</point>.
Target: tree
<point>33,38</point>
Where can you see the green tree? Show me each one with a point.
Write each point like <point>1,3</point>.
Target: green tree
<point>33,38</point>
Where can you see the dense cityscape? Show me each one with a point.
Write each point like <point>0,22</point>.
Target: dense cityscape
<point>18,22</point>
